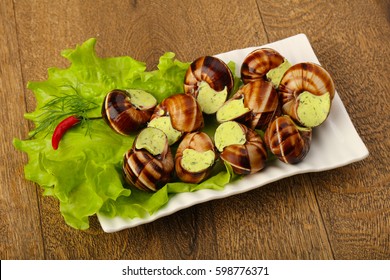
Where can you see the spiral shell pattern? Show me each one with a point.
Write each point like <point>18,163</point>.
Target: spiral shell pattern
<point>288,143</point>
<point>303,77</point>
<point>257,64</point>
<point>184,111</point>
<point>246,158</point>
<point>263,100</point>
<point>120,114</point>
<point>145,171</point>
<point>211,70</point>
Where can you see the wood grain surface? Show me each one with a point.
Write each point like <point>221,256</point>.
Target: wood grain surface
<point>338,214</point>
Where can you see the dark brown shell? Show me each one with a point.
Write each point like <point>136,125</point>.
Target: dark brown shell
<point>263,100</point>
<point>198,141</point>
<point>302,77</point>
<point>257,64</point>
<point>246,158</point>
<point>184,111</point>
<point>145,171</point>
<point>211,70</point>
<point>288,143</point>
<point>121,115</point>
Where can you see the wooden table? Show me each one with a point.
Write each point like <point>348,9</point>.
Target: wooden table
<point>338,214</point>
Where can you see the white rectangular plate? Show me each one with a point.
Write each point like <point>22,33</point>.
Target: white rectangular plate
<point>335,143</point>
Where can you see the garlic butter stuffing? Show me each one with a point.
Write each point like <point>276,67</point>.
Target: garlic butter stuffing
<point>282,100</point>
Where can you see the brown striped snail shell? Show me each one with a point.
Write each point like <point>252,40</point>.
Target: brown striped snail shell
<point>199,142</point>
<point>257,64</point>
<point>184,112</point>
<point>288,142</point>
<point>122,115</point>
<point>211,70</point>
<point>247,158</point>
<point>304,77</point>
<point>263,100</point>
<point>146,171</point>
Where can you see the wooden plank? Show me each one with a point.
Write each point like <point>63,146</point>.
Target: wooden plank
<point>281,220</point>
<point>62,25</point>
<point>277,221</point>
<point>20,227</point>
<point>351,40</point>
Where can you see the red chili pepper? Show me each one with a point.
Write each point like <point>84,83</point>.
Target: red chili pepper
<point>61,128</point>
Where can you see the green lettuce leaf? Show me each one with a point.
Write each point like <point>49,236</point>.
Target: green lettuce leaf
<point>85,173</point>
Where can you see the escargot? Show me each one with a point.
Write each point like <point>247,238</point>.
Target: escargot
<point>255,104</point>
<point>240,147</point>
<point>176,115</point>
<point>126,111</point>
<point>195,157</point>
<point>149,165</point>
<point>307,91</point>
<point>210,81</point>
<point>264,64</point>
<point>287,141</point>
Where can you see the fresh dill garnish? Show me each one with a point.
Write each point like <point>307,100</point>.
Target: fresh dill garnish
<point>60,107</point>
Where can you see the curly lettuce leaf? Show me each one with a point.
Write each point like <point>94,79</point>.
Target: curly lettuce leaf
<point>85,173</point>
<point>165,81</point>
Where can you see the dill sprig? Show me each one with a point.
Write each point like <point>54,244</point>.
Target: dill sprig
<point>62,106</point>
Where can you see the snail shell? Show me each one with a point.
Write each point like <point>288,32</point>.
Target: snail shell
<point>287,141</point>
<point>199,142</point>
<point>146,171</point>
<point>247,158</point>
<point>211,70</point>
<point>304,77</point>
<point>122,115</point>
<point>183,110</point>
<point>263,100</point>
<point>257,64</point>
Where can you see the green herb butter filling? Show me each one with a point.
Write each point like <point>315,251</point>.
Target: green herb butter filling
<point>164,123</point>
<point>209,99</point>
<point>151,139</point>
<point>275,75</point>
<point>313,109</point>
<point>195,161</point>
<point>231,110</point>
<point>228,133</point>
<point>141,99</point>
